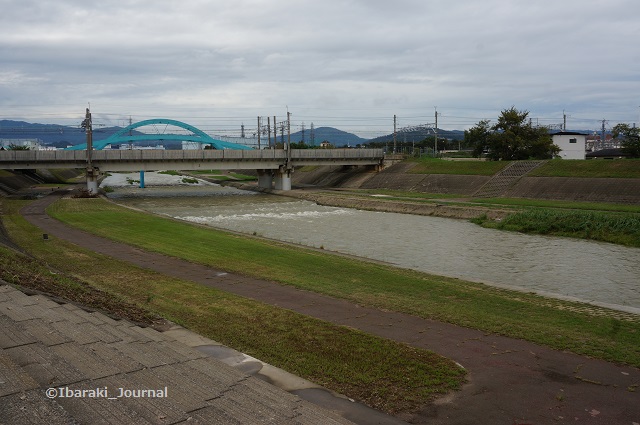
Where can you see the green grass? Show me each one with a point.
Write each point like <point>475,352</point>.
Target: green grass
<point>390,376</point>
<point>558,324</point>
<point>619,228</point>
<point>427,165</point>
<point>548,203</point>
<point>627,168</point>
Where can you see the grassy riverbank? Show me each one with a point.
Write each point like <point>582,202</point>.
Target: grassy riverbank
<point>626,168</point>
<point>580,328</point>
<point>426,165</point>
<point>619,228</point>
<point>386,375</point>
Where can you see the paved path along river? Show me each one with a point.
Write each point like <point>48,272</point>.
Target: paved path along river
<point>510,381</point>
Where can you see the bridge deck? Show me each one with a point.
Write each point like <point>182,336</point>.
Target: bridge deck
<point>131,160</point>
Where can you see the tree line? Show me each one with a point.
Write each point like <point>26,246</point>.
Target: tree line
<point>513,137</point>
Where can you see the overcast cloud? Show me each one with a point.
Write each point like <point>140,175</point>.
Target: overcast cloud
<point>348,64</point>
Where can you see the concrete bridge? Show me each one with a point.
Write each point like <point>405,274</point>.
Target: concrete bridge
<point>274,166</point>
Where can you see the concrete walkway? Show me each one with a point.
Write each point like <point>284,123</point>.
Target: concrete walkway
<point>60,364</point>
<point>510,381</point>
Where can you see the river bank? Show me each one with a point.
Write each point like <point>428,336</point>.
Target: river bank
<point>504,372</point>
<point>381,203</point>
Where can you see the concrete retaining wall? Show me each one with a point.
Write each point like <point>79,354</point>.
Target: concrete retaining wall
<point>578,189</point>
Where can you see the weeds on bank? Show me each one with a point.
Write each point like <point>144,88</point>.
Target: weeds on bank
<point>619,228</point>
<point>558,204</point>
<point>19,269</point>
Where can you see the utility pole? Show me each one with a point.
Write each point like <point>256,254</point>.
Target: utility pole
<point>275,132</point>
<point>269,130</point>
<point>312,135</point>
<point>86,124</point>
<point>602,141</point>
<point>130,133</point>
<point>92,173</point>
<point>435,151</point>
<point>564,121</point>
<point>259,132</point>
<point>282,125</point>
<point>303,132</point>
<point>394,133</point>
<point>288,134</point>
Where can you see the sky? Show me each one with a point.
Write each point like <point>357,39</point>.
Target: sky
<point>350,64</point>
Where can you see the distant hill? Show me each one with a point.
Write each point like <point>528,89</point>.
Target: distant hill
<point>332,135</point>
<point>62,136</point>
<point>52,134</point>
<point>49,134</point>
<point>419,135</point>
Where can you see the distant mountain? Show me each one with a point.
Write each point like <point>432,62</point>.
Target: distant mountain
<point>49,134</point>
<point>62,136</point>
<point>52,134</point>
<point>332,135</point>
<point>419,135</point>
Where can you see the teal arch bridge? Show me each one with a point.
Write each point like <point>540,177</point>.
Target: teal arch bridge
<point>273,166</point>
<point>123,136</point>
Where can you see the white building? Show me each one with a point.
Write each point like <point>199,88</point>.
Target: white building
<point>572,145</point>
<point>31,144</point>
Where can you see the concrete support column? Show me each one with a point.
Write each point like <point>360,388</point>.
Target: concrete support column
<point>283,179</point>
<point>141,179</point>
<point>265,179</point>
<point>92,180</point>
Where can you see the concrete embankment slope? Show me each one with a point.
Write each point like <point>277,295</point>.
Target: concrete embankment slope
<point>12,182</point>
<point>399,177</point>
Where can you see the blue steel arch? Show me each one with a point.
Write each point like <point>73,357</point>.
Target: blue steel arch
<point>122,136</point>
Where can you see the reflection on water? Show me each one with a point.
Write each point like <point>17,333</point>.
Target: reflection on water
<point>589,271</point>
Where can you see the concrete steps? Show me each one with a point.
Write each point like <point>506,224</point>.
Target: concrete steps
<point>129,374</point>
<point>506,178</point>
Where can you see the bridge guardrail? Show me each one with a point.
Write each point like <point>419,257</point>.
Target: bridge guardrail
<point>47,156</point>
<point>77,159</point>
<point>336,153</point>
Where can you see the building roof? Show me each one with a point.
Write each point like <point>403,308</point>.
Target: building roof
<point>568,133</point>
<point>613,152</point>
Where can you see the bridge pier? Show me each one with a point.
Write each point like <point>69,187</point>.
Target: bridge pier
<point>92,180</point>
<point>283,179</point>
<point>265,179</point>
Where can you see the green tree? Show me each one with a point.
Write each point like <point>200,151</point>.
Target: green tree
<point>300,145</point>
<point>478,137</point>
<point>13,147</point>
<point>630,139</point>
<point>511,138</point>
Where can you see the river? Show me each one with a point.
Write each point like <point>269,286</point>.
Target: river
<point>599,273</point>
